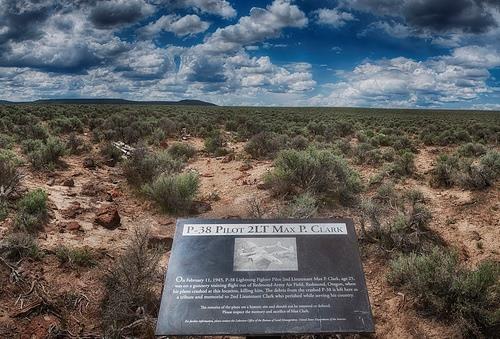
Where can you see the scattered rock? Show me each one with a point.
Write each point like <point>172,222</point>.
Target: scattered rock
<point>160,241</point>
<point>69,182</point>
<point>51,182</point>
<point>72,211</point>
<point>89,163</point>
<point>107,216</point>
<point>243,175</point>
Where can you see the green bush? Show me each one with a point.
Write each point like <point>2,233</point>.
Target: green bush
<point>110,153</point>
<point>143,167</point>
<point>320,172</point>
<point>403,165</point>
<point>181,150</point>
<point>468,298</point>
<point>6,141</point>
<point>76,145</point>
<point>174,193</point>
<point>32,211</point>
<point>46,155</point>
<point>471,150</point>
<point>303,206</point>
<point>82,257</point>
<point>480,175</point>
<point>444,173</point>
<point>215,144</point>
<point>266,145</point>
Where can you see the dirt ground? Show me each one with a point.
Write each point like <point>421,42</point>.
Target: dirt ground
<point>468,221</point>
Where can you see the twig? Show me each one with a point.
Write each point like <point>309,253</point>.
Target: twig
<point>15,276</point>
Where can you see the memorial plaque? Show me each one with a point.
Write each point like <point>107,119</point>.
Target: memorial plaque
<point>263,277</point>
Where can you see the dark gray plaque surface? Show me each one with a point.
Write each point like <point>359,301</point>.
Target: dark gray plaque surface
<point>263,277</point>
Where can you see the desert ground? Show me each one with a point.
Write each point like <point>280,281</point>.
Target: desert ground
<point>61,270</point>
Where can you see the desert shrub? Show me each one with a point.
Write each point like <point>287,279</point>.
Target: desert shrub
<point>401,143</point>
<point>110,153</point>
<point>387,194</point>
<point>343,146</point>
<point>6,141</point>
<point>66,125</point>
<point>480,175</point>
<point>444,173</point>
<point>471,149</point>
<point>320,172</point>
<point>361,150</point>
<point>302,206</point>
<point>32,211</point>
<point>45,155</point>
<point>143,166</point>
<point>20,245</point>
<point>403,165</point>
<point>76,145</point>
<point>9,175</point>
<point>299,142</point>
<point>466,297</point>
<point>215,144</point>
<point>468,173</point>
<point>398,222</point>
<point>173,193</point>
<point>182,150</point>
<point>265,145</point>
<point>157,136</point>
<point>73,257</point>
<point>381,140</point>
<point>129,288</point>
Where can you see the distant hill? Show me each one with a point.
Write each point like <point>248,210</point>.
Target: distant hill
<point>112,102</point>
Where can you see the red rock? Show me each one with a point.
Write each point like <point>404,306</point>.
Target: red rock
<point>73,226</point>
<point>107,216</point>
<point>245,167</point>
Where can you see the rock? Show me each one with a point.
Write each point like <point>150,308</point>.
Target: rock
<point>160,241</point>
<point>199,207</point>
<point>51,182</point>
<point>69,182</point>
<point>73,226</point>
<point>107,216</point>
<point>245,167</point>
<point>228,158</point>
<point>89,163</point>
<point>72,211</point>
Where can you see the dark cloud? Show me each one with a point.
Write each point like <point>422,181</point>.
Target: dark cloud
<point>109,14</point>
<point>206,71</point>
<point>438,16</point>
<point>446,15</point>
<point>23,20</point>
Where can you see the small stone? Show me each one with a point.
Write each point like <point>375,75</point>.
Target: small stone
<point>89,163</point>
<point>199,207</point>
<point>69,182</point>
<point>107,216</point>
<point>245,167</point>
<point>51,182</point>
<point>73,226</point>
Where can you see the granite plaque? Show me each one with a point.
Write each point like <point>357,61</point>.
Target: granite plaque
<point>264,277</point>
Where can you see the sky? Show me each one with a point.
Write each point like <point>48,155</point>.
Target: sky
<point>365,53</point>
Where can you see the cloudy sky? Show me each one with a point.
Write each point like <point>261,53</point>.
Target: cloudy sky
<point>385,53</point>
